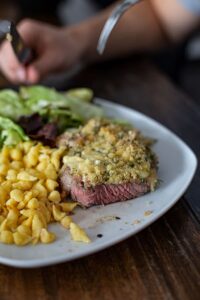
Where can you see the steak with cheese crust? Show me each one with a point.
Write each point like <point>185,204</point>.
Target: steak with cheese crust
<point>106,162</point>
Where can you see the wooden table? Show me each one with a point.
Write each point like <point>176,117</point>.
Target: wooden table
<point>162,261</point>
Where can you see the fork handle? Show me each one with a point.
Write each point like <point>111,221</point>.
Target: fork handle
<point>116,14</point>
<point>26,56</point>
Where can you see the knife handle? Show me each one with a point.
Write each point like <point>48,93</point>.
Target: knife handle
<point>26,56</point>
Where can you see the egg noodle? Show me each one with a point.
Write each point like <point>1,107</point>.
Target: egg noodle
<point>29,195</point>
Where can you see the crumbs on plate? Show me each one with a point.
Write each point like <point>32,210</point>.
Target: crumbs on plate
<point>107,219</point>
<point>135,222</point>
<point>148,213</point>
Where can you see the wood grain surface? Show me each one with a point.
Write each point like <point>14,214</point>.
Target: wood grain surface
<point>162,261</point>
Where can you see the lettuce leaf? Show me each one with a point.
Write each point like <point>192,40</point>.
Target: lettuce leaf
<point>37,97</point>
<point>67,110</point>
<point>10,133</point>
<point>63,119</point>
<point>64,108</point>
<point>85,110</point>
<point>84,94</point>
<point>11,106</point>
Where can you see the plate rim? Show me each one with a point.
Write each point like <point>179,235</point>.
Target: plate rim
<point>41,262</point>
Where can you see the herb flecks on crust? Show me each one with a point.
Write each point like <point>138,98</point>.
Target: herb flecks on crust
<point>103,151</point>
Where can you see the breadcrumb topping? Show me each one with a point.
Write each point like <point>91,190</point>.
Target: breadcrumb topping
<point>104,151</point>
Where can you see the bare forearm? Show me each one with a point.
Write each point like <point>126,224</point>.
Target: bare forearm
<point>147,26</point>
<point>138,30</point>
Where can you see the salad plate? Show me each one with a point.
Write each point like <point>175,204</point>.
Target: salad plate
<point>108,225</point>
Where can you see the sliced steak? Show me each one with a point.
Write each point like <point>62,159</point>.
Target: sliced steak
<point>101,193</point>
<point>106,162</point>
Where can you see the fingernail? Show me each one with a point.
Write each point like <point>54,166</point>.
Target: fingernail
<point>21,74</point>
<point>32,75</point>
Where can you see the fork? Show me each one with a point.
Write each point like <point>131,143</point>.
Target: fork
<point>118,11</point>
<point>9,32</point>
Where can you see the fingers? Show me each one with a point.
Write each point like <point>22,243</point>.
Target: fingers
<point>10,66</point>
<point>35,34</point>
<point>46,64</point>
<point>49,43</point>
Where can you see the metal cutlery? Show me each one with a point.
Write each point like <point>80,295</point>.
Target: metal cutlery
<point>118,11</point>
<point>9,32</point>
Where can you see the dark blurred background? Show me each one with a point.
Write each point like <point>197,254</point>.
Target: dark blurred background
<point>181,63</point>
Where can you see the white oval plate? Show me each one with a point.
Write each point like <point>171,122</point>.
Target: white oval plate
<point>177,165</point>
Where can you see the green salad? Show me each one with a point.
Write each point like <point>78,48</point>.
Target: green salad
<point>66,110</point>
<point>10,133</point>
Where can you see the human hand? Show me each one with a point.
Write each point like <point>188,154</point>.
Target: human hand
<point>56,49</point>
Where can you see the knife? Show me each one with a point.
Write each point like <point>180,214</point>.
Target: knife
<point>9,32</point>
